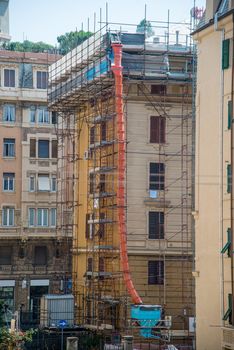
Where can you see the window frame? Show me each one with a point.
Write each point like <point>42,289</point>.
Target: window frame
<point>9,106</point>
<point>158,131</point>
<point>40,83</point>
<point>8,181</point>
<point>43,216</point>
<point>39,141</point>
<point>10,84</point>
<point>159,226</point>
<point>159,267</point>
<point>6,149</point>
<point>160,175</point>
<point>8,209</point>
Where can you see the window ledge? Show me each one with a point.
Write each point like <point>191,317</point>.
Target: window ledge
<point>8,192</point>
<point>157,202</point>
<point>8,158</point>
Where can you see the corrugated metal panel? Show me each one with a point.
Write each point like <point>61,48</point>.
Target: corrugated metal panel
<point>55,308</point>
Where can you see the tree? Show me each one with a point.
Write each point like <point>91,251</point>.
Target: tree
<point>28,46</point>
<point>145,27</point>
<point>70,40</point>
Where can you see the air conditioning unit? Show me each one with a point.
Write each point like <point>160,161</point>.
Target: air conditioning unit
<point>72,343</point>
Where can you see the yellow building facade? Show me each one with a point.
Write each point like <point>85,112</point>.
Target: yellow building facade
<point>213,189</point>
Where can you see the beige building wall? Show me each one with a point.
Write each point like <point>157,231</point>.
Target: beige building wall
<point>213,202</point>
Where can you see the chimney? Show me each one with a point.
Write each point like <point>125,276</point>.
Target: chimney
<point>211,8</point>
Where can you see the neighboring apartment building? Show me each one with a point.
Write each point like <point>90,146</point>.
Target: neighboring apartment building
<point>34,255</point>
<point>143,191</point>
<point>214,181</point>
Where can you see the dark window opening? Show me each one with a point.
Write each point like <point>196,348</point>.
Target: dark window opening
<point>103,131</point>
<point>92,135</point>
<point>54,117</point>
<point>156,225</point>
<point>90,265</point>
<point>101,229</point>
<point>5,255</point>
<point>102,183</point>
<point>156,272</point>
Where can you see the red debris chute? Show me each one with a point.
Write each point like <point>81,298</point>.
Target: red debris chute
<point>117,69</point>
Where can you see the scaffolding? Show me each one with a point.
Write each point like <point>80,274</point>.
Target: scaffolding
<point>82,91</point>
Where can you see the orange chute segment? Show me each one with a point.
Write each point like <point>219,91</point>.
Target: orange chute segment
<point>117,69</point>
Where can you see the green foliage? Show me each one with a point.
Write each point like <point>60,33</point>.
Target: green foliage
<point>28,46</point>
<point>1,313</point>
<point>12,340</point>
<point>145,27</point>
<point>70,40</point>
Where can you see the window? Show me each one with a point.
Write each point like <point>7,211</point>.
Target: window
<point>228,313</point>
<point>5,255</point>
<point>91,183</point>
<point>53,217</point>
<point>31,216</point>
<point>54,117</point>
<point>229,178</point>
<point>8,113</point>
<point>8,181</point>
<point>101,230</point>
<point>40,255</point>
<point>54,149</point>
<point>41,80</point>
<point>32,151</point>
<point>53,184</point>
<point>158,89</point>
<point>157,176</point>
<point>8,147</point>
<point>32,114</point>
<point>227,247</point>
<point>156,225</point>
<point>230,108</point>
<point>32,183</point>
<point>90,265</point>
<point>42,217</point>
<point>225,53</point>
<point>92,135</point>
<point>43,182</point>
<point>102,183</point>
<point>9,77</point>
<point>157,129</point>
<point>155,272</point>
<point>103,131</point>
<point>43,115</point>
<point>43,149</point>
<point>8,216</point>
<point>89,226</point>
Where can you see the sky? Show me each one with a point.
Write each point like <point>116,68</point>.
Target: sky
<point>44,20</point>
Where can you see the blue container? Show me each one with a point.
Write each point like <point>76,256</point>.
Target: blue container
<point>147,316</point>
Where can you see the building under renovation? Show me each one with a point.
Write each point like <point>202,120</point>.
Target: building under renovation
<point>124,106</point>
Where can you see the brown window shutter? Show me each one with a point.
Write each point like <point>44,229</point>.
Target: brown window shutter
<point>33,148</point>
<point>54,148</point>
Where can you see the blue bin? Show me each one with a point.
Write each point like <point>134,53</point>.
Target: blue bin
<point>147,316</point>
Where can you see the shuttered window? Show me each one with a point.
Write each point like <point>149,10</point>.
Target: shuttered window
<point>229,178</point>
<point>156,225</point>
<point>156,272</point>
<point>230,114</point>
<point>40,255</point>
<point>90,265</point>
<point>101,230</point>
<point>225,53</point>
<point>54,152</point>
<point>157,129</point>
<point>9,77</point>
<point>32,148</point>
<point>92,135</point>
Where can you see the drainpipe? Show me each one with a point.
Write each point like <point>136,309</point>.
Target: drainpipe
<point>117,70</point>
<point>221,178</point>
